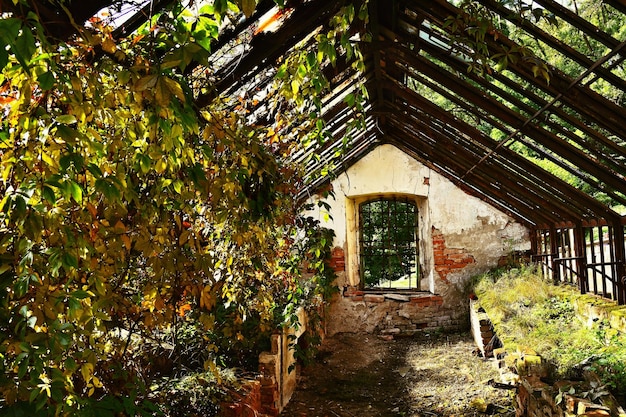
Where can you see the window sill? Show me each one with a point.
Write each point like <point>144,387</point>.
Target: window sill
<point>422,298</point>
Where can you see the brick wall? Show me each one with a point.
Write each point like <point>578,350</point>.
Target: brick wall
<point>400,312</point>
<point>447,259</point>
<point>338,260</point>
<point>392,313</point>
<point>248,403</point>
<point>536,397</point>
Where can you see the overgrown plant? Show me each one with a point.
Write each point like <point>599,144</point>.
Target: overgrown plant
<point>530,312</point>
<point>142,235</point>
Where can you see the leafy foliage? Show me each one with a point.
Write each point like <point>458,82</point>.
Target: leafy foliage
<point>142,237</point>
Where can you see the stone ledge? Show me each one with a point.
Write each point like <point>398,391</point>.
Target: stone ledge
<point>594,308</point>
<point>423,299</point>
<point>537,398</point>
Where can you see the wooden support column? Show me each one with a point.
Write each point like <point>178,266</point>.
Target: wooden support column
<point>620,267</point>
<point>534,247</point>
<point>554,249</point>
<point>581,258</point>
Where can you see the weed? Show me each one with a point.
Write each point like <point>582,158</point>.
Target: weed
<point>530,312</point>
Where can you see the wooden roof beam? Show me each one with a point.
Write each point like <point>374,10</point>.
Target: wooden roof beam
<point>453,145</point>
<point>580,23</point>
<point>510,117</point>
<point>574,195</point>
<point>555,43</point>
<point>585,176</point>
<point>439,159</point>
<point>594,107</point>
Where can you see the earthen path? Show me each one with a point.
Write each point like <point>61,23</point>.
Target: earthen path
<point>427,375</point>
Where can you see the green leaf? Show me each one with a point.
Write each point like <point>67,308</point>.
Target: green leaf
<point>49,195</point>
<point>70,260</point>
<point>46,80</point>
<point>81,294</point>
<point>9,29</point>
<point>77,192</point>
<point>108,189</point>
<point>23,368</point>
<point>70,364</point>
<point>66,119</point>
<point>66,133</point>
<point>95,170</point>
<point>64,339</point>
<point>311,59</point>
<point>24,47</point>
<point>144,163</point>
<point>4,58</point>
<point>33,395</point>
<point>41,402</point>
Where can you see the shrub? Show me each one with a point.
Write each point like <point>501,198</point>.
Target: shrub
<point>530,312</point>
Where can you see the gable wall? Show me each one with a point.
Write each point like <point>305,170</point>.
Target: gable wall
<point>459,236</point>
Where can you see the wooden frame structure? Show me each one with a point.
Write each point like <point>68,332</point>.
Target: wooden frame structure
<point>415,55</point>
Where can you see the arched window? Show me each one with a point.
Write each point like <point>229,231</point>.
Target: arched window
<point>388,244</point>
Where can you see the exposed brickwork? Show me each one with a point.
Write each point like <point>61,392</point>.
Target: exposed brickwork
<point>401,312</point>
<point>338,260</point>
<point>427,300</point>
<point>247,405</point>
<point>269,396</point>
<point>374,298</point>
<point>446,259</point>
<point>529,373</point>
<point>483,331</point>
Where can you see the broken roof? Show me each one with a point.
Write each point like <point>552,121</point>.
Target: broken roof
<point>496,134</point>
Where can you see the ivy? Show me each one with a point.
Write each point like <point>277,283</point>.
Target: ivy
<point>134,224</point>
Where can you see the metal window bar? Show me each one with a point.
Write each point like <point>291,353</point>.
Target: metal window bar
<point>388,244</point>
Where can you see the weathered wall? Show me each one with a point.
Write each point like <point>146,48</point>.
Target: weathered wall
<point>459,236</point>
<point>278,380</point>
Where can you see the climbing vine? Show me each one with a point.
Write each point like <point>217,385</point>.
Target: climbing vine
<point>143,236</point>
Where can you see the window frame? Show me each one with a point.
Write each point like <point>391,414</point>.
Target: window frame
<point>414,283</point>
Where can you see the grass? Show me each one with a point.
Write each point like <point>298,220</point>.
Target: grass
<point>530,313</point>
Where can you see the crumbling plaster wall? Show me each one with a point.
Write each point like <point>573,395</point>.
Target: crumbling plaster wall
<point>459,236</point>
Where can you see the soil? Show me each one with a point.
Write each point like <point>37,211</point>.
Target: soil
<point>427,375</point>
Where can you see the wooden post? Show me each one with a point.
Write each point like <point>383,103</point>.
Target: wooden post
<point>581,258</point>
<point>554,249</point>
<point>620,267</point>
<point>534,247</point>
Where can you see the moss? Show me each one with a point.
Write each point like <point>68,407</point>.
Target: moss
<point>530,313</point>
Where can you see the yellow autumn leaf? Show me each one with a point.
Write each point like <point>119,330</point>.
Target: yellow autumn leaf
<point>86,371</point>
<point>108,45</point>
<point>119,227</point>
<point>247,7</point>
<point>162,92</point>
<point>127,242</point>
<point>146,82</point>
<point>184,237</point>
<point>160,166</point>
<point>175,88</point>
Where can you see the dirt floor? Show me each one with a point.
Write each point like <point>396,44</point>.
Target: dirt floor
<point>421,376</point>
